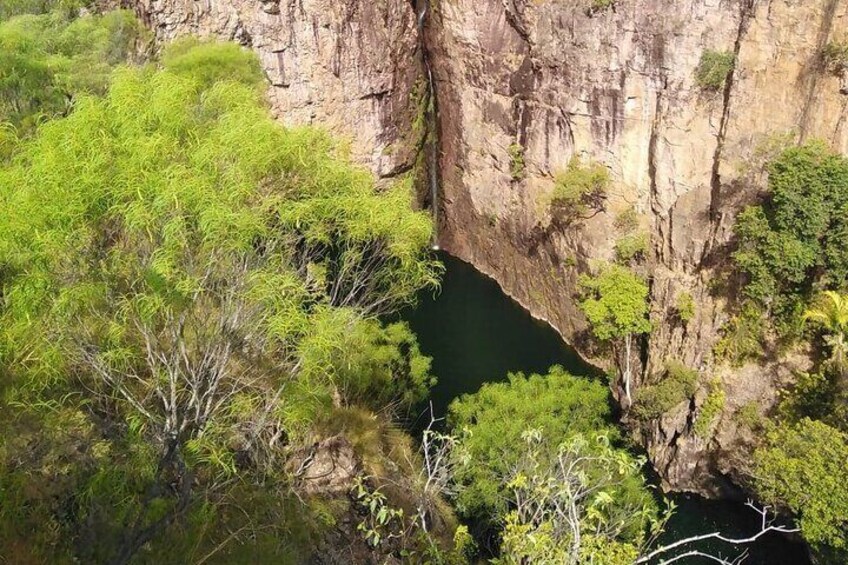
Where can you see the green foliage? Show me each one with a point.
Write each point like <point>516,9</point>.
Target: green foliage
<point>11,8</point>
<point>631,247</point>
<point>579,191</point>
<point>750,416</point>
<point>802,467</point>
<point>586,488</point>
<point>684,307</point>
<point>47,60</point>
<point>710,410</point>
<point>493,420</point>
<point>207,63</point>
<point>627,221</point>
<point>615,302</point>
<point>815,395</point>
<point>677,384</point>
<point>381,365</point>
<point>171,240</point>
<point>714,68</point>
<point>381,521</point>
<point>599,5</point>
<point>516,161</point>
<point>830,312</point>
<point>742,337</point>
<point>835,56</point>
<point>798,239</point>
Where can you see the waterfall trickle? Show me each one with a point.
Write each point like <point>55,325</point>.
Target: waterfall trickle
<point>432,141</point>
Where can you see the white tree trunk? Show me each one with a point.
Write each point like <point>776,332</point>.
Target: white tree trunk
<point>628,343</point>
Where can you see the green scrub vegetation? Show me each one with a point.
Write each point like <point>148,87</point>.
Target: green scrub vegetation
<point>495,418</point>
<point>180,274</point>
<point>47,60</point>
<point>713,69</point>
<point>533,462</point>
<point>197,304</point>
<point>797,240</point>
<point>802,467</point>
<point>792,253</point>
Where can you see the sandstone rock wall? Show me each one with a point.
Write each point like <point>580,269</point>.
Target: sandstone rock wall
<point>618,86</point>
<point>350,66</point>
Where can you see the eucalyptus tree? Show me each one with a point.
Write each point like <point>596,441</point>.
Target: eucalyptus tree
<point>587,502</point>
<point>181,271</point>
<point>615,302</point>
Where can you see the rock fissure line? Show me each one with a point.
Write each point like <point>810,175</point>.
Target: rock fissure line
<point>746,12</point>
<point>814,72</point>
<point>431,120</point>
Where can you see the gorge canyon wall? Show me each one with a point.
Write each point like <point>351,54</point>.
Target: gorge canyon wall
<point>548,80</point>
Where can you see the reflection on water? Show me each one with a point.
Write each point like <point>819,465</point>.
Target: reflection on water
<point>476,334</point>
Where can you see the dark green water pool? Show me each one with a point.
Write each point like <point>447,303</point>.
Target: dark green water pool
<point>476,334</point>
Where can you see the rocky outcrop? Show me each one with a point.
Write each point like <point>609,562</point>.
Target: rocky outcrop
<point>551,80</point>
<point>349,66</point>
<point>523,86</point>
<point>327,467</point>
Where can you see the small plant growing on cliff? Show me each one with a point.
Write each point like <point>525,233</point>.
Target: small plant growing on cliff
<point>631,247</point>
<point>580,191</point>
<point>834,56</point>
<point>713,69</point>
<point>742,336</point>
<point>677,384</point>
<point>516,161</point>
<point>382,522</point>
<point>627,221</point>
<point>710,410</point>
<point>600,5</point>
<point>749,415</point>
<point>684,307</point>
<point>615,302</point>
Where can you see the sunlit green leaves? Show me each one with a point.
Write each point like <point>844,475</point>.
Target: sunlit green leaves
<point>497,419</point>
<point>615,302</point>
<point>168,241</point>
<point>803,467</point>
<point>796,240</point>
<point>46,60</point>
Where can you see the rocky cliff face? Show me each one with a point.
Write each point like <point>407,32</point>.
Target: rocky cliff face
<point>617,85</point>
<point>542,81</point>
<point>350,66</point>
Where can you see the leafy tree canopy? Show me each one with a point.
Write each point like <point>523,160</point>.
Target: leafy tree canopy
<point>178,272</point>
<point>492,423</point>
<point>46,60</point>
<point>798,239</point>
<point>615,302</point>
<point>12,8</point>
<point>585,503</point>
<point>802,467</point>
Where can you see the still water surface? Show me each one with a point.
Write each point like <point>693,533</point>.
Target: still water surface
<point>476,334</point>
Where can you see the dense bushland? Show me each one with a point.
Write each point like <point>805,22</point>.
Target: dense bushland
<point>186,287</point>
<point>47,60</point>
<point>793,253</point>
